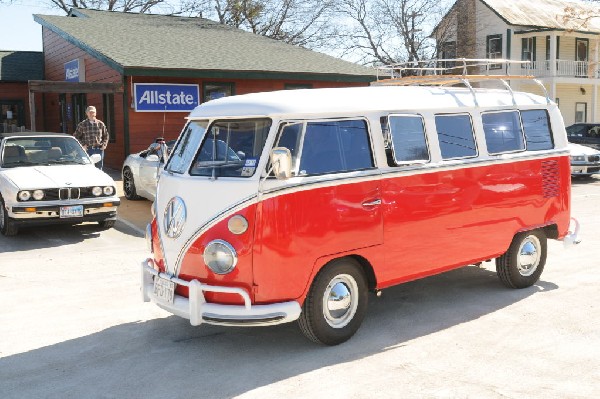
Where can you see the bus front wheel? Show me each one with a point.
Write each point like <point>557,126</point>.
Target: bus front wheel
<point>336,303</point>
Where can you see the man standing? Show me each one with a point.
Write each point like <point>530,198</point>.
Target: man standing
<point>92,134</point>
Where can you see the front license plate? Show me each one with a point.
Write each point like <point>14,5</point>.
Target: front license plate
<point>74,211</point>
<point>164,289</point>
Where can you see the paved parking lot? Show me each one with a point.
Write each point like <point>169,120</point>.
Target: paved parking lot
<point>72,325</point>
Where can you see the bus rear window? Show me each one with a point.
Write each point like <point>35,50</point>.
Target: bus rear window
<point>538,134</point>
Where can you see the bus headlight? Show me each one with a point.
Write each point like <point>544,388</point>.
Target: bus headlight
<point>220,257</point>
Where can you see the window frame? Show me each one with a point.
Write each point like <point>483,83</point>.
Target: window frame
<point>551,131</point>
<point>488,46</point>
<point>229,85</point>
<point>472,135</point>
<point>296,163</point>
<point>391,140</point>
<point>523,138</point>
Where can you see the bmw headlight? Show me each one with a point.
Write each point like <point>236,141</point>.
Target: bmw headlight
<point>578,158</point>
<point>97,191</point>
<point>38,194</point>
<point>108,190</point>
<point>220,257</point>
<point>24,195</point>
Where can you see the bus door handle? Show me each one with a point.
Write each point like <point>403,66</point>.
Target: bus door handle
<point>372,203</point>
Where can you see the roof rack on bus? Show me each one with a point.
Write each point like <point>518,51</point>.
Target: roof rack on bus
<point>450,71</point>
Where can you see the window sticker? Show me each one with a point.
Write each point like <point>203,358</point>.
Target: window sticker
<point>249,167</point>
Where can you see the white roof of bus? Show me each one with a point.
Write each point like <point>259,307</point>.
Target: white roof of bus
<point>359,101</point>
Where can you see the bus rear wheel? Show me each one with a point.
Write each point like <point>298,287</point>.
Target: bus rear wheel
<point>523,262</point>
<point>336,303</point>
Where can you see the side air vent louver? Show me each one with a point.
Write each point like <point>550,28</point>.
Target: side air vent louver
<point>550,179</point>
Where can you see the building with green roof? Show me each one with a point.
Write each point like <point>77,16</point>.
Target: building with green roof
<point>121,62</point>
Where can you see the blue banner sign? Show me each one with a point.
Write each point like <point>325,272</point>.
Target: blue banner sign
<point>75,71</point>
<point>157,97</point>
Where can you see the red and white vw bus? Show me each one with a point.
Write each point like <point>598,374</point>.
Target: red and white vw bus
<point>294,205</point>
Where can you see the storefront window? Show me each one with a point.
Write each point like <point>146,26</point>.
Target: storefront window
<point>212,91</point>
<point>12,115</point>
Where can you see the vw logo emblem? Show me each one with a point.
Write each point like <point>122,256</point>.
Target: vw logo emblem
<point>174,218</point>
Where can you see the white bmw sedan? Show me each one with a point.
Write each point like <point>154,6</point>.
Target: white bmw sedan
<point>48,178</point>
<point>585,161</point>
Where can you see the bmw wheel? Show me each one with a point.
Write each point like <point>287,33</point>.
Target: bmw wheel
<point>7,224</point>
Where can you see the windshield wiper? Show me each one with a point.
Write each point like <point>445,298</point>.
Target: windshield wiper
<point>19,163</point>
<point>219,164</point>
<point>65,161</point>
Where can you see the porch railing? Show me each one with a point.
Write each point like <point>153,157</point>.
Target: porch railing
<point>564,68</point>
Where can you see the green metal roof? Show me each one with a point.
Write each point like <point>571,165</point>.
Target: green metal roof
<point>148,44</point>
<point>21,66</point>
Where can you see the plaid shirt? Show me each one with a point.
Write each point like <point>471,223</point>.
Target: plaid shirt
<point>92,134</point>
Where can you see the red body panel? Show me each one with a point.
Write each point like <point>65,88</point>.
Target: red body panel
<point>427,223</point>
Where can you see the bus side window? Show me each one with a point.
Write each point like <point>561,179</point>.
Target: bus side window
<point>538,134</point>
<point>289,137</point>
<point>335,146</point>
<point>455,135</point>
<point>502,132</point>
<point>408,142</point>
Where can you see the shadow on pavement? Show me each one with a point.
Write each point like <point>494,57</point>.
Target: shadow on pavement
<point>169,358</point>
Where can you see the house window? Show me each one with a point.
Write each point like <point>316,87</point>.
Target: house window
<point>494,49</point>
<point>212,91</point>
<point>448,52</point>
<point>580,112</point>
<point>528,51</point>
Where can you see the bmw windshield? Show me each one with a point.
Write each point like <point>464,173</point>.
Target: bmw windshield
<point>42,150</point>
<point>228,148</point>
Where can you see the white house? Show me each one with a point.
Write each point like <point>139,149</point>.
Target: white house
<point>563,52</point>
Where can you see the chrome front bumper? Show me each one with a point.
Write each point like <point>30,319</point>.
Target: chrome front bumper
<point>198,311</point>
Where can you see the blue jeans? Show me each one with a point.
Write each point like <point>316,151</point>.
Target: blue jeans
<point>91,151</point>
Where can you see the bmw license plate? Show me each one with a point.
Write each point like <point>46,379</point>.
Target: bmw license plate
<point>75,211</point>
<point>164,289</point>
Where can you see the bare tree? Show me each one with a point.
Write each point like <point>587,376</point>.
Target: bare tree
<point>389,31</point>
<point>141,6</point>
<point>302,22</point>
<point>579,17</point>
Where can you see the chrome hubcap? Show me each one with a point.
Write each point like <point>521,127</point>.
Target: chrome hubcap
<point>340,300</point>
<point>529,256</point>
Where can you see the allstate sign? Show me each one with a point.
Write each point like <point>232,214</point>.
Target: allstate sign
<point>75,71</point>
<point>157,97</point>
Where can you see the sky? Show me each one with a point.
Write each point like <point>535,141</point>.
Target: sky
<point>18,30</point>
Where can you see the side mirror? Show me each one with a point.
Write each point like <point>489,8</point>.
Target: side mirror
<point>95,158</point>
<point>281,161</point>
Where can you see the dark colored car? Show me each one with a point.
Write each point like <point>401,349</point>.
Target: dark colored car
<point>585,133</point>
